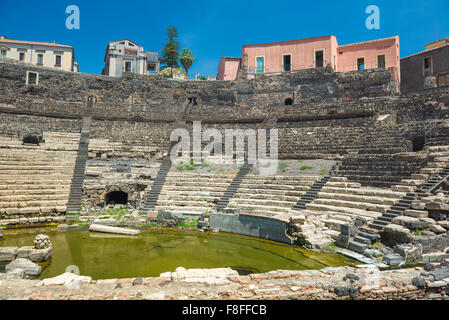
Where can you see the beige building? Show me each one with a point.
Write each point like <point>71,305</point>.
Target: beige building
<point>51,55</point>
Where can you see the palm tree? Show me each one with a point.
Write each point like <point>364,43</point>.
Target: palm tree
<point>187,59</point>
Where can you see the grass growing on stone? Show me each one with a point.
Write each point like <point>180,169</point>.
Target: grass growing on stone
<point>300,161</point>
<point>116,214</point>
<point>323,171</point>
<point>303,168</point>
<point>188,224</point>
<point>282,166</point>
<point>192,166</point>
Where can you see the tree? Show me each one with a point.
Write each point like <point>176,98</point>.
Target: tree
<point>170,51</point>
<point>187,59</point>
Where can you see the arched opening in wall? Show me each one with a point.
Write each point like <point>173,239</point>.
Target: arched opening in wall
<point>288,101</point>
<point>116,197</point>
<point>418,143</point>
<point>31,140</point>
<point>193,100</point>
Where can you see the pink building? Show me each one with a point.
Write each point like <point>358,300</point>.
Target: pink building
<point>228,68</point>
<point>317,52</point>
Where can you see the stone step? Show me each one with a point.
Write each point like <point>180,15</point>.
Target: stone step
<point>289,193</point>
<point>352,204</point>
<point>263,202</point>
<point>261,208</point>
<point>35,197</point>
<point>34,210</point>
<point>184,203</point>
<point>339,209</point>
<point>381,193</point>
<point>182,208</point>
<point>270,197</point>
<point>42,182</point>
<point>357,198</point>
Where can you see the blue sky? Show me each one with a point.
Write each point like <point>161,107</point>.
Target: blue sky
<point>212,29</point>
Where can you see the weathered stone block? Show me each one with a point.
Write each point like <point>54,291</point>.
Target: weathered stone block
<point>348,230</point>
<point>8,254</point>
<point>26,265</point>
<point>416,213</point>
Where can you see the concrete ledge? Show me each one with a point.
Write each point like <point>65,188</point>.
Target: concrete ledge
<point>256,226</point>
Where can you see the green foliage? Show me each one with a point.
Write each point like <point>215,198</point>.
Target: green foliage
<point>282,166</point>
<point>323,171</point>
<point>303,168</point>
<point>170,50</point>
<point>116,214</point>
<point>187,59</point>
<point>188,224</point>
<point>300,161</point>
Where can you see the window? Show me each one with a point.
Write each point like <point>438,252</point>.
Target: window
<point>319,58</point>
<point>58,60</point>
<point>381,61</point>
<point>3,53</point>
<point>21,56</point>
<point>32,78</point>
<point>360,63</point>
<point>127,66</point>
<point>260,64</point>
<point>40,58</point>
<point>427,66</point>
<point>287,62</point>
<point>151,67</point>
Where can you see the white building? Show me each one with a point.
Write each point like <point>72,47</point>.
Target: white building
<point>127,56</point>
<point>51,55</point>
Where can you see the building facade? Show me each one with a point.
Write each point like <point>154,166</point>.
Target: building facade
<point>426,69</point>
<point>127,56</point>
<point>50,55</point>
<point>228,68</point>
<point>317,52</point>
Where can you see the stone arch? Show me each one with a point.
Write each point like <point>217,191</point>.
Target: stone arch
<point>116,197</point>
<point>288,101</point>
<point>193,100</point>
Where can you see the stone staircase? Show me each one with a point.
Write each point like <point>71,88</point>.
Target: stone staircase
<point>35,180</point>
<point>311,194</point>
<point>192,193</point>
<point>394,211</point>
<point>381,171</point>
<point>76,187</point>
<point>271,195</point>
<point>233,187</point>
<point>340,202</point>
<point>435,180</point>
<point>157,185</point>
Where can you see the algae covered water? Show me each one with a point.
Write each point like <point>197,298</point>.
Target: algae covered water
<point>104,256</point>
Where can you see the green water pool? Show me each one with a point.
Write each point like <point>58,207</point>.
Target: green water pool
<point>104,256</point>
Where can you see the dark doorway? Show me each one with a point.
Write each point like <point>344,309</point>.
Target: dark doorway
<point>319,59</point>
<point>192,100</point>
<point>287,62</point>
<point>288,101</point>
<point>31,140</point>
<point>116,197</point>
<point>418,143</point>
<point>360,63</point>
